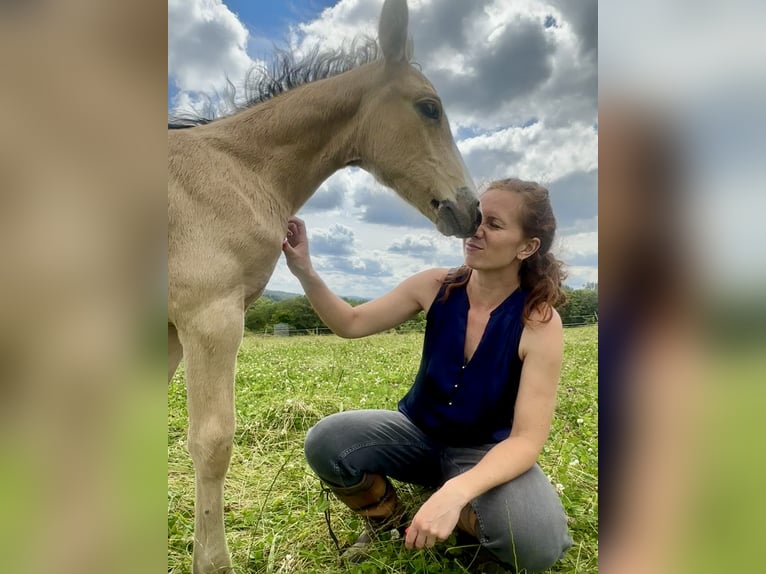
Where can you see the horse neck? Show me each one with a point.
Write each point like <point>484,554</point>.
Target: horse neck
<point>295,141</point>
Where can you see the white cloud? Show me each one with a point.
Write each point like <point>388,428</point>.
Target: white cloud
<point>578,249</point>
<point>337,240</point>
<point>578,276</point>
<point>338,24</point>
<point>420,246</point>
<point>206,43</point>
<point>535,152</point>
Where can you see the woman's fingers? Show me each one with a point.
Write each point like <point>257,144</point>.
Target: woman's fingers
<point>418,539</point>
<point>296,224</point>
<point>296,231</point>
<point>424,541</point>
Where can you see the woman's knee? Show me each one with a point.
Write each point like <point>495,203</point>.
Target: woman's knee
<point>324,444</point>
<point>319,442</point>
<point>523,522</point>
<point>534,541</point>
<point>536,556</point>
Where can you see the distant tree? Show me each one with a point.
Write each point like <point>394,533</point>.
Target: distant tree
<point>581,306</point>
<point>298,313</point>
<point>416,323</point>
<point>258,315</point>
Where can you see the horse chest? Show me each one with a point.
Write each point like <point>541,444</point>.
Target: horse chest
<point>258,267</point>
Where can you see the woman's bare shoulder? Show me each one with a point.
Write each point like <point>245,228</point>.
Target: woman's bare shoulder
<point>426,285</point>
<point>544,317</point>
<point>436,274</point>
<point>543,333</point>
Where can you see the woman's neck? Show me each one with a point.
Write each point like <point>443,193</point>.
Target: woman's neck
<point>488,289</point>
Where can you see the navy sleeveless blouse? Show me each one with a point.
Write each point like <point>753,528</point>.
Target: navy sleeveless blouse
<point>464,404</point>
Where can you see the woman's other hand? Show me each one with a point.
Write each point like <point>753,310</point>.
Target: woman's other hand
<point>436,519</point>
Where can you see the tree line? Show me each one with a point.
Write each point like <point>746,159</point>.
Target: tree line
<point>581,308</point>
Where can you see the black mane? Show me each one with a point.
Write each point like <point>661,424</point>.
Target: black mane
<point>287,71</point>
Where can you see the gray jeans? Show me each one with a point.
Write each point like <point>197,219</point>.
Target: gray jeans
<point>522,522</point>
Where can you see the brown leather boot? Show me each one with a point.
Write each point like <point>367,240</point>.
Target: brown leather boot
<point>375,500</point>
<point>468,522</point>
<point>484,561</point>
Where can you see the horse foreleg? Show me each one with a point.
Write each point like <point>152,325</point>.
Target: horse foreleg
<point>210,342</point>
<point>175,351</point>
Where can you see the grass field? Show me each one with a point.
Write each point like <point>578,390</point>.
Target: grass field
<point>274,506</point>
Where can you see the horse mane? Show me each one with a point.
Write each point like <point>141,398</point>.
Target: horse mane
<point>287,70</point>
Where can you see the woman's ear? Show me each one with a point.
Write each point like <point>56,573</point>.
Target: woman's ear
<point>528,248</point>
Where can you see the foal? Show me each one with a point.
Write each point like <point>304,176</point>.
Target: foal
<point>233,183</point>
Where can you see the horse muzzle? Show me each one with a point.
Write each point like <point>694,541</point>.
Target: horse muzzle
<point>458,218</point>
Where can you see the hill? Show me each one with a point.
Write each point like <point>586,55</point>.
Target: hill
<point>279,295</point>
<point>274,295</point>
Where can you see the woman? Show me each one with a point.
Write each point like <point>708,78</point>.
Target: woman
<point>480,409</point>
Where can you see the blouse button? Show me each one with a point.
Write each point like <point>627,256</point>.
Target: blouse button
<point>455,386</point>
<point>463,367</point>
<point>449,403</point>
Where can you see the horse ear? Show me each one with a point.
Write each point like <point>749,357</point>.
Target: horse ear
<point>392,31</point>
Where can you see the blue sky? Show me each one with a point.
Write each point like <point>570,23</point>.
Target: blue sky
<point>518,81</point>
<point>272,19</point>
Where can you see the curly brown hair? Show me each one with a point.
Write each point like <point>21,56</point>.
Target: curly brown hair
<point>541,274</point>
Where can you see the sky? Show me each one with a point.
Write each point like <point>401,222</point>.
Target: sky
<point>518,81</point>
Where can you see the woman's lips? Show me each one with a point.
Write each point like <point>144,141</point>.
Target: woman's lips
<point>472,246</point>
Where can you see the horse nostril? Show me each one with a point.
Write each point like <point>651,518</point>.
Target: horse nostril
<point>435,204</point>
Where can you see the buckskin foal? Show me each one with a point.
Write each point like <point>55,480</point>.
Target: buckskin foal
<point>233,183</point>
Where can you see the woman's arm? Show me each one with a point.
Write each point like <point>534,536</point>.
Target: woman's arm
<point>541,349</point>
<point>390,310</point>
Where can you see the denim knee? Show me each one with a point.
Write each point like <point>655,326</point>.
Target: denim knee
<point>311,447</point>
<point>315,451</point>
<point>343,447</point>
<point>534,553</point>
<point>324,443</point>
<point>531,558</point>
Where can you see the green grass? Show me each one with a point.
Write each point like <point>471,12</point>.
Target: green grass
<point>274,507</point>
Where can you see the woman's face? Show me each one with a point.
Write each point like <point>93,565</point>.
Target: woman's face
<point>499,241</point>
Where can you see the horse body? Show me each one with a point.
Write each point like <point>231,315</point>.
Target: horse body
<point>232,185</point>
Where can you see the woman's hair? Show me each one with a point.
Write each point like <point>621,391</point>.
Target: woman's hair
<point>541,274</point>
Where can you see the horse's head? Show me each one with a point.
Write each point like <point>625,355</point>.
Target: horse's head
<point>407,144</point>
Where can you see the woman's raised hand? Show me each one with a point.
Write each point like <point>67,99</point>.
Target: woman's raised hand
<point>296,248</point>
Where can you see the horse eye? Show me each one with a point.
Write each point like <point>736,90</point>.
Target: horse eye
<point>429,109</point>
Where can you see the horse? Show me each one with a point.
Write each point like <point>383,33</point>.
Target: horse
<point>233,182</point>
